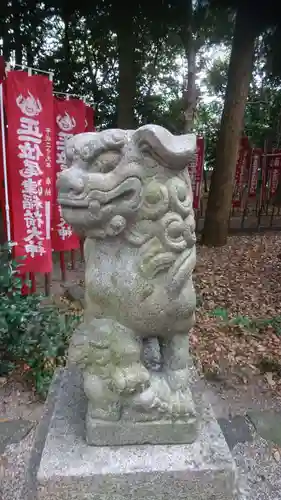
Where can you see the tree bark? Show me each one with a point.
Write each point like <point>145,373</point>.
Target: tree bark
<point>190,96</point>
<point>4,30</point>
<point>189,90</point>
<point>66,13</point>
<point>239,74</point>
<point>31,35</point>
<point>16,24</point>
<point>127,72</point>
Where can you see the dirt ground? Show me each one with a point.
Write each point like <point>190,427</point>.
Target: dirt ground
<point>238,329</point>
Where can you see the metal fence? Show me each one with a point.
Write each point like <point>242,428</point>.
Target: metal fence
<point>252,216</point>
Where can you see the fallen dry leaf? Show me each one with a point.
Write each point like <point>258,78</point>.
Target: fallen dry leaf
<point>3,381</point>
<point>242,280</point>
<point>269,379</point>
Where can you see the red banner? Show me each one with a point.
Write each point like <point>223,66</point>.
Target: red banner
<point>2,138</point>
<point>90,119</point>
<point>29,109</point>
<point>274,172</point>
<point>69,120</point>
<point>264,175</point>
<point>1,151</point>
<point>256,157</point>
<point>196,172</point>
<point>2,194</point>
<point>242,167</point>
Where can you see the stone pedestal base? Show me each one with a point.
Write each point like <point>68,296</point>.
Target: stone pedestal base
<point>135,429</point>
<point>69,469</point>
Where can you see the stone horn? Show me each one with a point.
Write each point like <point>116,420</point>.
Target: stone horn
<point>172,151</point>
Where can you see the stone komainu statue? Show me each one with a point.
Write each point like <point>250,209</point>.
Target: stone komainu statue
<point>129,193</point>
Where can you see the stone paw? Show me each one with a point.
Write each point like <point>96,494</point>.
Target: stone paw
<point>160,398</point>
<point>178,379</point>
<point>130,379</point>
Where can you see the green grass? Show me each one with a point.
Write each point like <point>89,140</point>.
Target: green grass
<point>251,324</point>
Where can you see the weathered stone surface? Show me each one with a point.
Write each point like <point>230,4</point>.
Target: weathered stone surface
<point>71,470</point>
<point>30,487</point>
<point>267,424</point>
<point>12,431</point>
<point>75,293</point>
<point>235,430</point>
<point>129,431</point>
<point>130,194</point>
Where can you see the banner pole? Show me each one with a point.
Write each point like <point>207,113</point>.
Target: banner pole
<point>48,275</point>
<point>3,136</point>
<point>23,67</point>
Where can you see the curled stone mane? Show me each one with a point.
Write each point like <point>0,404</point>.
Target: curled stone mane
<point>88,146</point>
<point>165,224</point>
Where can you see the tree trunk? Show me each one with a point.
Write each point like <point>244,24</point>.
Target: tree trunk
<point>190,93</point>
<point>16,24</point>
<point>189,90</point>
<point>66,40</point>
<point>4,30</point>
<point>67,73</point>
<point>33,20</point>
<point>239,74</point>
<point>18,49</point>
<point>127,72</point>
<point>29,56</point>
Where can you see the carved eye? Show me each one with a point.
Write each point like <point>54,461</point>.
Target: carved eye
<point>107,162</point>
<point>149,161</point>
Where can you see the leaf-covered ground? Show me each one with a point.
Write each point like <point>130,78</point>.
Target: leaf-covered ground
<point>238,330</point>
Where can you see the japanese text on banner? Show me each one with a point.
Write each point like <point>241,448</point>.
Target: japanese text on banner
<point>242,167</point>
<point>70,118</point>
<point>2,185</point>
<point>30,117</point>
<point>274,172</point>
<point>254,172</point>
<point>195,170</point>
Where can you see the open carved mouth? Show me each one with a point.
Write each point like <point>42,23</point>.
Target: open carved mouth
<point>72,202</point>
<point>127,192</point>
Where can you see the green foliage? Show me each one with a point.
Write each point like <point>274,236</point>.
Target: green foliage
<point>220,313</point>
<point>262,114</point>
<point>253,325</point>
<point>33,336</point>
<point>216,78</point>
<point>79,43</point>
<point>207,125</point>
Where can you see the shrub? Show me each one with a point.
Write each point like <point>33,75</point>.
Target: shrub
<point>33,336</point>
